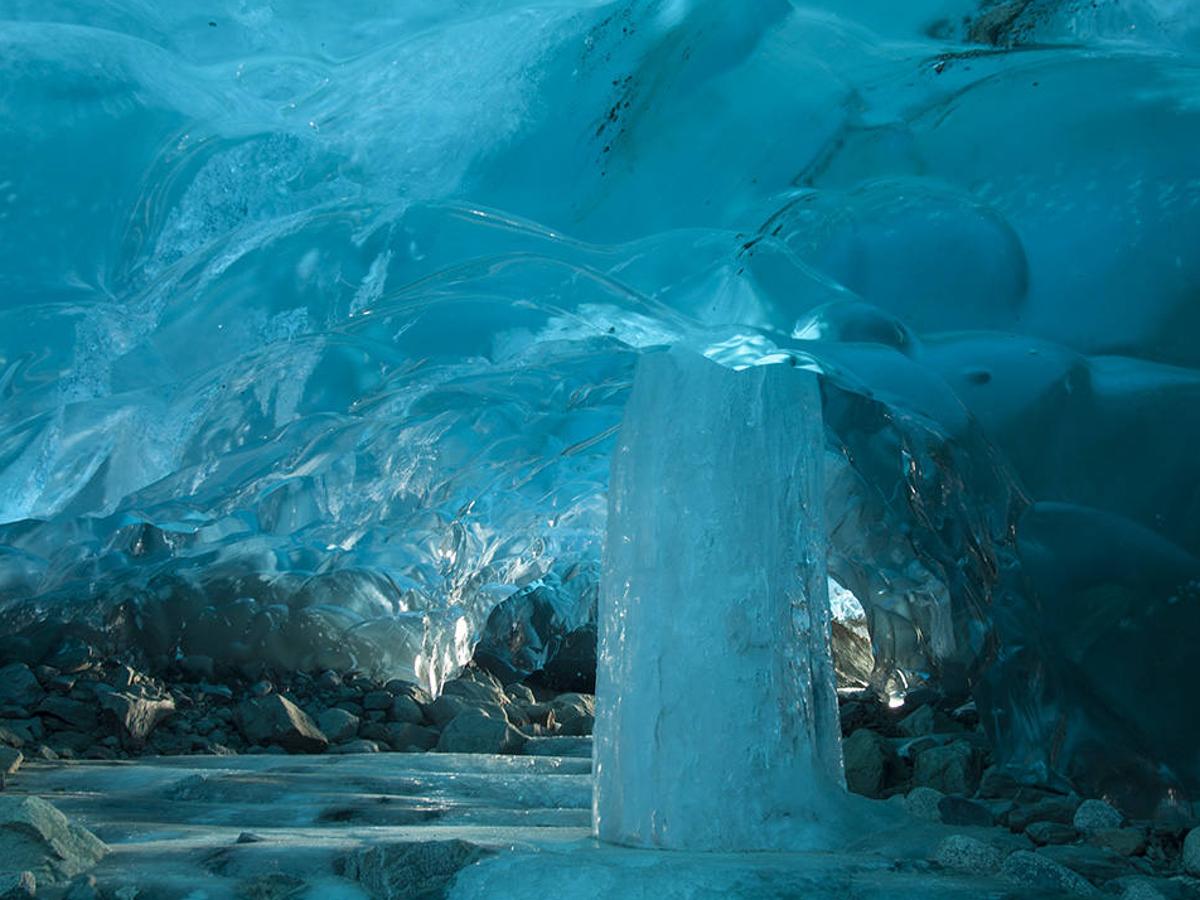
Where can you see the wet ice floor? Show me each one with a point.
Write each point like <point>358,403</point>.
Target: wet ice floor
<point>173,826</point>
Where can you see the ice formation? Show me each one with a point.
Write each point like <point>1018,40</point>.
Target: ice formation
<point>317,324</point>
<point>716,544</point>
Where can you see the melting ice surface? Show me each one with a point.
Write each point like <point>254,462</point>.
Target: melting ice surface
<point>317,322</point>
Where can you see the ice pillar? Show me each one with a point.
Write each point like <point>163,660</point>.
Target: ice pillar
<point>717,722</point>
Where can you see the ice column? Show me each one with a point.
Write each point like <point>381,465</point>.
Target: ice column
<point>717,722</point>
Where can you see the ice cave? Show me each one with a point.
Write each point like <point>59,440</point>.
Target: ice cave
<point>636,449</point>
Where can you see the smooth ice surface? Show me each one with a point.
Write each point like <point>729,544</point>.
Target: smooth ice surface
<point>715,557</point>
<point>316,325</point>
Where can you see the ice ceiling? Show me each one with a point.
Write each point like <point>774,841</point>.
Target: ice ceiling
<point>317,321</point>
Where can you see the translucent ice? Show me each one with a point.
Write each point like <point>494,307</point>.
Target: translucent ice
<point>717,725</point>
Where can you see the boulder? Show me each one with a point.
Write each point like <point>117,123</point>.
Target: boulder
<point>959,811</point>
<point>961,853</point>
<point>378,700</point>
<point>1032,870</point>
<point>10,762</point>
<point>1095,863</point>
<point>136,717</point>
<point>1122,841</point>
<point>18,886</point>
<point>923,803</point>
<point>1048,809</point>
<point>78,715</point>
<point>409,870</point>
<point>950,769</point>
<point>405,737</point>
<point>574,713</point>
<point>1191,853</point>
<point>405,709</point>
<point>338,725</point>
<point>37,838</point>
<point>446,708</point>
<point>1042,833</point>
<point>475,732</point>
<point>1096,815</point>
<point>276,720</point>
<point>865,754</point>
<point>19,686</point>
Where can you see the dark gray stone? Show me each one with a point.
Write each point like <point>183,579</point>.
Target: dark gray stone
<point>276,720</point>
<point>475,732</point>
<point>865,754</point>
<point>19,686</point>
<point>409,871</point>
<point>1033,870</point>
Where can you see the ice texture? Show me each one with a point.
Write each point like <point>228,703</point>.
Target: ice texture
<point>716,723</point>
<point>317,324</point>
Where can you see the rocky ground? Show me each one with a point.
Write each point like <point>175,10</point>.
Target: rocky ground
<point>928,758</point>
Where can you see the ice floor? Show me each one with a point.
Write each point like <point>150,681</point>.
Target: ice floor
<point>174,826</point>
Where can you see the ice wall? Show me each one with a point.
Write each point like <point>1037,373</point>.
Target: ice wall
<point>316,326</point>
<point>717,724</point>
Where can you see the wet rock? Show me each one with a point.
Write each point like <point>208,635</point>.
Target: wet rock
<point>378,700</point>
<point>1042,833</point>
<point>574,713</point>
<point>923,802</point>
<point>950,769</point>
<point>249,837</point>
<point>865,754</point>
<point>519,693</point>
<point>1096,815</point>
<point>410,870</point>
<point>959,811</point>
<point>338,725</point>
<point>404,737</point>
<point>474,732</point>
<point>35,837</point>
<point>1032,870</point>
<point>998,785</point>
<point>926,720</point>
<point>276,720</point>
<point>18,886</point>
<point>1191,853</point>
<point>961,853</point>
<point>74,713</point>
<point>359,746</point>
<point>1122,841</point>
<point>19,686</point>
<point>446,708</point>
<point>1095,863</point>
<point>1048,809</point>
<point>405,709</point>
<point>136,717</point>
<point>72,655</point>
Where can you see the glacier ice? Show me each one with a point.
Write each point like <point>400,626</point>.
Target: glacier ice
<point>714,610</point>
<point>317,326</point>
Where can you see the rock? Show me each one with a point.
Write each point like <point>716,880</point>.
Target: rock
<point>72,655</point>
<point>10,738</point>
<point>950,769</point>
<point>136,717</point>
<point>19,686</point>
<point>575,713</point>
<point>80,716</point>
<point>1122,841</point>
<point>83,888</point>
<point>261,688</point>
<point>1096,815</point>
<point>1142,890</point>
<point>959,811</point>
<point>273,886</point>
<point>35,837</point>
<point>446,708</point>
<point>926,720</point>
<point>359,746</point>
<point>124,678</point>
<point>405,709</point>
<point>10,760</point>
<point>1032,870</point>
<point>380,700</point>
<point>276,720</point>
<point>404,737</point>
<point>197,667</point>
<point>18,886</point>
<point>1042,833</point>
<point>410,870</point>
<point>961,853</point>
<point>1048,809</point>
<point>1094,863</point>
<point>519,693</point>
<point>1191,853</point>
<point>997,784</point>
<point>249,837</point>
<point>338,725</point>
<point>865,754</point>
<point>923,802</point>
<point>474,732</point>
<point>474,692</point>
